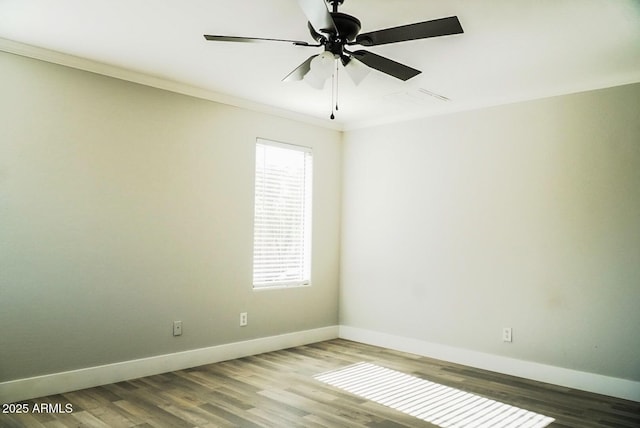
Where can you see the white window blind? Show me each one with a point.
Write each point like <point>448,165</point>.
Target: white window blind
<point>282,222</point>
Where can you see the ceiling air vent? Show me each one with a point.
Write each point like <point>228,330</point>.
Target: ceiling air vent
<point>417,97</point>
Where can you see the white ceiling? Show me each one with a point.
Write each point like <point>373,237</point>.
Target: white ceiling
<point>511,50</point>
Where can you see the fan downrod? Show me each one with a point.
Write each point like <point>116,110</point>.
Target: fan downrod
<point>348,28</point>
<point>335,3</point>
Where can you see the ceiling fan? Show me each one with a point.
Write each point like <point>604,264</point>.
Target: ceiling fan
<point>335,31</point>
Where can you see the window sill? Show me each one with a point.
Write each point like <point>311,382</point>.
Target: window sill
<point>281,286</point>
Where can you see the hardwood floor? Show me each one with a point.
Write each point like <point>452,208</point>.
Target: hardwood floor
<point>280,389</point>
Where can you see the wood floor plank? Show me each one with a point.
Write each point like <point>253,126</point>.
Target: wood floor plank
<point>55,424</point>
<point>279,389</point>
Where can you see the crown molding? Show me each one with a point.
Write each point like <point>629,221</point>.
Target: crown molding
<point>79,63</point>
<point>605,82</point>
<point>104,69</point>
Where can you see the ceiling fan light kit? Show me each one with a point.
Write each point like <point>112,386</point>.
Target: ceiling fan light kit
<point>320,69</point>
<point>335,31</point>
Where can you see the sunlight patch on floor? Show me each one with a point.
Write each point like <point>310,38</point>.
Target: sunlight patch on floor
<point>437,404</point>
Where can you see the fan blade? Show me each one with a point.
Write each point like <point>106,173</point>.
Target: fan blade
<point>420,30</point>
<point>252,40</point>
<point>318,15</point>
<point>299,72</point>
<point>385,65</point>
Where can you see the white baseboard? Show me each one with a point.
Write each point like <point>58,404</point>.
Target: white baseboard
<point>57,383</point>
<point>599,384</point>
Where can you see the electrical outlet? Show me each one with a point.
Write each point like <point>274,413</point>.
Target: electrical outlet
<point>243,319</point>
<point>177,328</point>
<point>507,334</point>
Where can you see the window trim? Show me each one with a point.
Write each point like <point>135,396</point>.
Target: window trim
<point>308,215</point>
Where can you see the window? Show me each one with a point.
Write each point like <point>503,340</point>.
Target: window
<point>282,222</point>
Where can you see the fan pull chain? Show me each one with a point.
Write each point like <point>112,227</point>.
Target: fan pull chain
<point>333,95</point>
<point>334,92</point>
<point>337,68</point>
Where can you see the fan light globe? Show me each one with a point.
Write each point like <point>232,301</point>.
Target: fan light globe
<point>323,63</point>
<point>315,81</point>
<point>356,70</point>
<point>320,69</point>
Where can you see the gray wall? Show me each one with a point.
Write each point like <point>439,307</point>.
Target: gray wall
<point>123,208</point>
<point>524,216</point>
